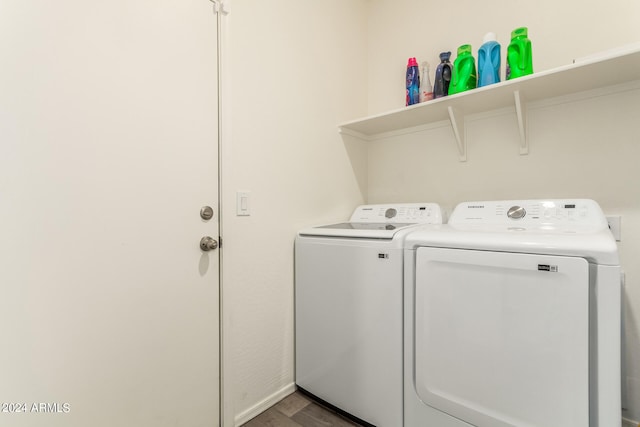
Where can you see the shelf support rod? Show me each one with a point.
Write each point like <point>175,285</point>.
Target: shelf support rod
<point>521,113</point>
<point>457,124</point>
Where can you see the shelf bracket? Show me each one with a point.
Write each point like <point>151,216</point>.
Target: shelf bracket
<point>521,113</point>
<point>219,7</point>
<point>457,124</point>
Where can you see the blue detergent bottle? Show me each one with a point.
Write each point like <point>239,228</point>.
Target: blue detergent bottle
<point>489,61</point>
<point>413,82</point>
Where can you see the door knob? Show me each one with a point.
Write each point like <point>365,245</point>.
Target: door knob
<point>208,243</point>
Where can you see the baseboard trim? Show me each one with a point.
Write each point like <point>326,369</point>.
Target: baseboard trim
<point>265,404</point>
<point>285,391</point>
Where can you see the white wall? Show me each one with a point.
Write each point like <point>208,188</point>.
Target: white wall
<point>580,146</point>
<point>293,71</point>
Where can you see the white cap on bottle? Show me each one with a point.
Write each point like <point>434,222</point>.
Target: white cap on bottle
<point>489,37</point>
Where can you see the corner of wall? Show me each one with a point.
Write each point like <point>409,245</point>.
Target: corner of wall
<point>264,404</point>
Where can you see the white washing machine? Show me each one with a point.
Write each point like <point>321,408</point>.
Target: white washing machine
<point>348,295</point>
<point>512,318</point>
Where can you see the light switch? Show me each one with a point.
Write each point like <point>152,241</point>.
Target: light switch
<point>242,203</point>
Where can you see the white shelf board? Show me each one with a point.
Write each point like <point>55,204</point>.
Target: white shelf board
<point>590,74</point>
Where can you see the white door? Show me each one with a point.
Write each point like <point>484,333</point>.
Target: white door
<point>108,151</point>
<point>502,339</point>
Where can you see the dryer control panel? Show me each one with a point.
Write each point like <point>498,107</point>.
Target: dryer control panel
<point>554,213</point>
<point>406,213</point>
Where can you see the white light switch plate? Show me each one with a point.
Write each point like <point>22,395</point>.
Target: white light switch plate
<point>242,203</point>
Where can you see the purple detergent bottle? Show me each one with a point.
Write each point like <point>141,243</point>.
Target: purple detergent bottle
<point>443,76</point>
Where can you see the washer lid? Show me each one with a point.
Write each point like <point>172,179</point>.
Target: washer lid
<point>362,230</point>
<point>380,221</point>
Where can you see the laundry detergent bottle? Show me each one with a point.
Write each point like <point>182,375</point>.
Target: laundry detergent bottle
<point>426,90</point>
<point>443,76</point>
<point>489,61</point>
<point>519,61</point>
<point>413,82</point>
<point>464,75</point>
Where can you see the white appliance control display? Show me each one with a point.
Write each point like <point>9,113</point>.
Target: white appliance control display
<point>400,213</point>
<point>533,213</point>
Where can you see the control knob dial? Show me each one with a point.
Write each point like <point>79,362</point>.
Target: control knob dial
<point>516,212</point>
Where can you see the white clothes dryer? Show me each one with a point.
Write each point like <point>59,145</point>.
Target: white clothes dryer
<point>348,312</point>
<point>512,318</point>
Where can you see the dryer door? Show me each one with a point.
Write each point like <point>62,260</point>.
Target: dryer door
<point>502,339</point>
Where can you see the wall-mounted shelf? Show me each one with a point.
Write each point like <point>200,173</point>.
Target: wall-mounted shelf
<point>610,70</point>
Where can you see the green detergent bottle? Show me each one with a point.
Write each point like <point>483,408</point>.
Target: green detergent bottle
<point>464,71</point>
<point>519,61</point>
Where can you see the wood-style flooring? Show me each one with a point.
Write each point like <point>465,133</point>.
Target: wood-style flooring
<point>298,410</point>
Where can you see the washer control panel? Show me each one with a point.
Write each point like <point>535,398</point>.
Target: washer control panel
<point>427,213</point>
<point>569,212</point>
